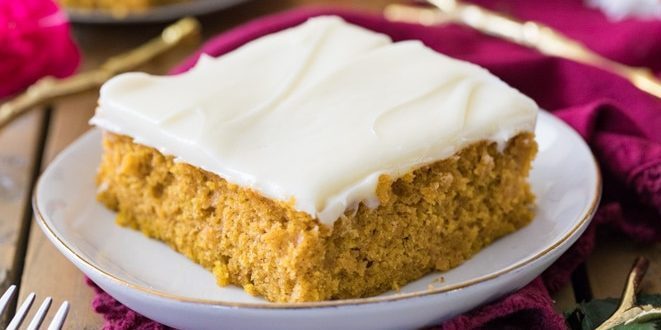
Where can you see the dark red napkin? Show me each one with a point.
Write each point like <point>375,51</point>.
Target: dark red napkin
<point>621,124</point>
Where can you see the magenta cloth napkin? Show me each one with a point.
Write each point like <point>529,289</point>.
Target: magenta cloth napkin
<point>34,42</point>
<point>621,124</point>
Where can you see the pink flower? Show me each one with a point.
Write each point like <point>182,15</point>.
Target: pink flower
<point>34,42</point>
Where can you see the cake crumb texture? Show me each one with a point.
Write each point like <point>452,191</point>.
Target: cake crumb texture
<point>433,218</point>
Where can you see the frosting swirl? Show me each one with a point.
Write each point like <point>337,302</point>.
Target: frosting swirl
<point>316,113</point>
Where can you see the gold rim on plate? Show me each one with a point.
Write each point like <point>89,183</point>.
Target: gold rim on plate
<point>55,238</point>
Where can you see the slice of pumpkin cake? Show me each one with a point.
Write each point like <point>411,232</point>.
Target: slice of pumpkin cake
<point>320,162</point>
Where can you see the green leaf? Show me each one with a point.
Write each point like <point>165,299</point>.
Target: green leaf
<point>589,315</point>
<point>650,299</point>
<point>638,326</point>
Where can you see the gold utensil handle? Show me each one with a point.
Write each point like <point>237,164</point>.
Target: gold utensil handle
<point>48,89</point>
<point>531,34</point>
<point>627,308</point>
<point>414,14</point>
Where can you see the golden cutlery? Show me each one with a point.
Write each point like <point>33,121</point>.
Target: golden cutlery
<point>628,311</point>
<point>48,89</point>
<point>530,34</point>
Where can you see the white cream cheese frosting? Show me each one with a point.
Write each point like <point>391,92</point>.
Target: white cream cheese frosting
<point>316,113</point>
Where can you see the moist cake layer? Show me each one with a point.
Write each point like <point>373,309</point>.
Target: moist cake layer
<point>432,218</point>
<point>317,113</point>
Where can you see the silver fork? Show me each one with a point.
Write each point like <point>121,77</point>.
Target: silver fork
<point>22,311</point>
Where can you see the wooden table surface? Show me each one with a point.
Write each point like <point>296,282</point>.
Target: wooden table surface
<point>27,146</point>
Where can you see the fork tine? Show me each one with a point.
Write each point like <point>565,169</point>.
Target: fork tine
<point>40,314</point>
<point>60,316</point>
<point>6,297</point>
<point>21,312</point>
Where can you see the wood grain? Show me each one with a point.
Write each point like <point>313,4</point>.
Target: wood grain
<point>19,147</point>
<point>611,262</point>
<point>46,271</point>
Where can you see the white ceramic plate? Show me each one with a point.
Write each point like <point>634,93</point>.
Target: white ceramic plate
<point>152,279</point>
<point>155,14</point>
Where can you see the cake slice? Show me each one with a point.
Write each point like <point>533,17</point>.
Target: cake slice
<point>320,162</point>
